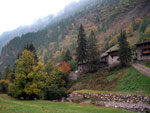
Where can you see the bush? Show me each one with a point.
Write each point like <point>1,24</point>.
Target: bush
<point>73,65</point>
<point>55,86</point>
<point>54,92</point>
<point>4,84</point>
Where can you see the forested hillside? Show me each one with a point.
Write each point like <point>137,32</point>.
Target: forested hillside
<point>105,17</point>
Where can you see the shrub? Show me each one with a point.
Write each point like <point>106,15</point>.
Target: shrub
<point>55,86</point>
<point>4,84</point>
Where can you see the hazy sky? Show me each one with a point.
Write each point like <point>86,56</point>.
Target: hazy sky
<point>14,13</point>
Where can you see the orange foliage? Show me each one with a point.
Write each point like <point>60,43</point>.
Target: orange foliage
<point>138,20</point>
<point>65,67</point>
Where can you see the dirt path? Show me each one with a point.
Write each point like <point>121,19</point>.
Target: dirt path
<point>142,69</point>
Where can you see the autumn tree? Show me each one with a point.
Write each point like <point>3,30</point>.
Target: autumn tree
<point>36,82</point>
<point>65,67</point>
<point>124,50</point>
<point>93,54</point>
<point>30,47</point>
<point>81,50</point>
<point>24,66</point>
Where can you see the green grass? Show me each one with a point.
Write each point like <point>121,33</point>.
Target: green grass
<point>122,81</point>
<point>134,81</point>
<point>147,64</point>
<point>127,80</point>
<point>103,92</point>
<point>11,105</point>
<point>111,77</point>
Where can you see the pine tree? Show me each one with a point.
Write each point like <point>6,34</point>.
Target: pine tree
<point>143,25</point>
<point>124,50</point>
<point>81,46</point>
<point>67,56</point>
<point>92,53</point>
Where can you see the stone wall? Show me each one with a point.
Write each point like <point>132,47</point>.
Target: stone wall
<point>132,102</point>
<point>110,97</point>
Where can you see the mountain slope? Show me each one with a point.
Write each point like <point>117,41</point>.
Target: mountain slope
<point>105,17</point>
<point>39,24</point>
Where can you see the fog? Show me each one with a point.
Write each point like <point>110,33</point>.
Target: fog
<point>15,13</point>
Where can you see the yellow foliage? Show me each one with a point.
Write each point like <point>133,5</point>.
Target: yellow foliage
<point>114,39</point>
<point>129,29</point>
<point>147,31</point>
<point>72,25</point>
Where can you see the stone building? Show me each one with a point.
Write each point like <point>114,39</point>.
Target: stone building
<point>113,57</point>
<point>82,67</point>
<point>110,57</point>
<point>143,51</point>
<point>104,60</point>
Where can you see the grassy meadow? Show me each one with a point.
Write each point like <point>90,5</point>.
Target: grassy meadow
<point>11,105</point>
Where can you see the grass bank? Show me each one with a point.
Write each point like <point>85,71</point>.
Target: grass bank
<point>11,105</point>
<point>127,80</point>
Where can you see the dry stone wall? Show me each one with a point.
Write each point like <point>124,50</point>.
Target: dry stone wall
<point>132,102</point>
<point>111,97</point>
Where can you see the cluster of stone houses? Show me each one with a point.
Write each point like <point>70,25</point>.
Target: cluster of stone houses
<point>111,57</point>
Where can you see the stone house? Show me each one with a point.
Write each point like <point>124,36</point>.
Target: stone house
<point>113,57</point>
<point>82,67</point>
<point>143,51</point>
<point>103,60</point>
<point>110,57</point>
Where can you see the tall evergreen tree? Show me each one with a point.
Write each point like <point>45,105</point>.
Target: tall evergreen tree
<point>93,54</point>
<point>143,25</point>
<point>67,56</point>
<point>124,50</point>
<point>81,46</point>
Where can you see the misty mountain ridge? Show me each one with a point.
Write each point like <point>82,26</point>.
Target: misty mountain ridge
<point>59,33</point>
<point>41,23</point>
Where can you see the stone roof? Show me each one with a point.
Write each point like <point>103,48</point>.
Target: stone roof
<point>112,49</point>
<point>147,41</point>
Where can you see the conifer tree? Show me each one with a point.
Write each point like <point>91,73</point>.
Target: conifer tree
<point>143,25</point>
<point>92,53</point>
<point>67,56</point>
<point>124,50</point>
<point>81,46</point>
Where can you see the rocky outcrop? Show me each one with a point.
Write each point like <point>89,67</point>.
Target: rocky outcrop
<point>138,103</point>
